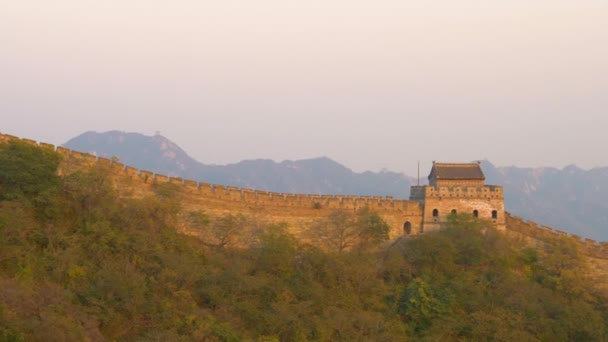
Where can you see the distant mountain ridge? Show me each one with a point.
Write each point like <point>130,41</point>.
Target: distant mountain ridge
<point>310,176</point>
<point>571,199</point>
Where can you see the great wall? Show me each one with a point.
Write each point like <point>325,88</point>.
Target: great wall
<point>298,210</point>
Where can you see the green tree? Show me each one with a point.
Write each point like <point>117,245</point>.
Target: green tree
<point>342,230</point>
<point>422,302</point>
<point>30,172</point>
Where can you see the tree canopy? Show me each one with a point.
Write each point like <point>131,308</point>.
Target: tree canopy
<point>111,267</point>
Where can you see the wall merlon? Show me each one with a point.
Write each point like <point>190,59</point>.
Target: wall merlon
<point>63,151</point>
<point>10,137</point>
<point>30,141</point>
<point>191,183</point>
<point>147,176</point>
<point>176,180</point>
<point>118,167</point>
<point>47,146</point>
<point>104,161</point>
<point>545,228</point>
<point>234,193</point>
<point>206,189</point>
<point>131,171</point>
<point>78,154</point>
<point>161,178</point>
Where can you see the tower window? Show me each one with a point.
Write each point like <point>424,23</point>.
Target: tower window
<point>435,212</point>
<point>494,214</point>
<point>475,213</point>
<point>454,212</point>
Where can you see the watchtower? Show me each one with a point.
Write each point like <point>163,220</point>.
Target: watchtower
<point>458,188</point>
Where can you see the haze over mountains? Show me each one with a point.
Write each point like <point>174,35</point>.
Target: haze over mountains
<point>571,199</point>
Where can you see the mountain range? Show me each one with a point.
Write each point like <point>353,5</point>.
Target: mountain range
<point>569,199</point>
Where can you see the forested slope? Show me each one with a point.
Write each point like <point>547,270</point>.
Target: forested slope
<point>78,261</point>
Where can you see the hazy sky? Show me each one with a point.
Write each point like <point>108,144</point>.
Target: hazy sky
<point>371,84</point>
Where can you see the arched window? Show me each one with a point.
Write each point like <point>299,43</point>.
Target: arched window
<point>435,212</point>
<point>475,213</point>
<point>407,228</point>
<point>454,212</point>
<point>494,214</point>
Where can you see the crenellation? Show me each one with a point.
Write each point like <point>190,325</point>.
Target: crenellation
<point>147,176</point>
<point>47,146</point>
<point>78,154</point>
<point>30,141</point>
<point>291,200</point>
<point>191,184</point>
<point>118,167</point>
<point>161,178</point>
<point>8,137</point>
<point>176,180</point>
<point>131,171</point>
<point>104,161</point>
<point>65,152</point>
<point>348,202</point>
<point>334,203</point>
<point>234,194</point>
<point>206,189</point>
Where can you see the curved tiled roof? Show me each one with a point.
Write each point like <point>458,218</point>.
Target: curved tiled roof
<point>444,171</point>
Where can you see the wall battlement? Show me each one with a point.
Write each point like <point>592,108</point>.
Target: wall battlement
<point>484,191</point>
<point>543,233</point>
<point>222,192</point>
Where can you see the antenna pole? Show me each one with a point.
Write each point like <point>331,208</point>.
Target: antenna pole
<point>418,172</point>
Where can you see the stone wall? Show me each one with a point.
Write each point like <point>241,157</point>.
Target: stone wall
<point>296,209</point>
<point>459,182</point>
<point>486,201</point>
<point>299,210</point>
<point>534,231</point>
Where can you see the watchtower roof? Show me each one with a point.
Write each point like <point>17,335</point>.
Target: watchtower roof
<point>456,171</point>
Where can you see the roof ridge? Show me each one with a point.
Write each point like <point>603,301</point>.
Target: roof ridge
<point>457,164</point>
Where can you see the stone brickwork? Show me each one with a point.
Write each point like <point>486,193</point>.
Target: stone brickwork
<point>296,209</point>
<point>536,232</point>
<point>458,188</point>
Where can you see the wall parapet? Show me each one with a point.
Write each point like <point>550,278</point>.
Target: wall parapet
<point>543,233</point>
<point>231,193</point>
<point>263,198</point>
<point>420,192</point>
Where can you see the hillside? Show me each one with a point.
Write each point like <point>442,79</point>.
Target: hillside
<point>87,253</point>
<point>572,199</point>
